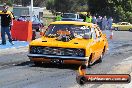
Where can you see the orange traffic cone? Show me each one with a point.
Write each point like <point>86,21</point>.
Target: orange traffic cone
<point>111,35</point>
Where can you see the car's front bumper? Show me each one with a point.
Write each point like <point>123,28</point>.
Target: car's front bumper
<point>57,57</point>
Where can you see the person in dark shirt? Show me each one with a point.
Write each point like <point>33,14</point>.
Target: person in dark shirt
<point>6,21</point>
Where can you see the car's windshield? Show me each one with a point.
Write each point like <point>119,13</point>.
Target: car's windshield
<point>69,16</point>
<point>125,23</point>
<point>74,30</point>
<point>34,19</point>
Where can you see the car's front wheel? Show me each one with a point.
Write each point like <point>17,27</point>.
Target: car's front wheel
<point>87,62</point>
<point>130,29</point>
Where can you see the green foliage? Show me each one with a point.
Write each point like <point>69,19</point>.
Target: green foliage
<point>120,13</point>
<point>9,2</point>
<point>120,10</point>
<point>67,5</point>
<point>123,9</point>
<point>129,16</point>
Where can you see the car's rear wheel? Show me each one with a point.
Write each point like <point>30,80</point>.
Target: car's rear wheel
<point>100,59</point>
<point>116,29</point>
<point>101,56</point>
<point>104,50</point>
<point>130,29</point>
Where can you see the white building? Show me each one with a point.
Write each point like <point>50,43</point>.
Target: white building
<point>19,11</point>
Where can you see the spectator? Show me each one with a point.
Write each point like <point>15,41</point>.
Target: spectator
<point>82,16</point>
<point>88,18</point>
<point>12,20</point>
<point>21,19</point>
<point>104,23</point>
<point>94,20</point>
<point>110,21</point>
<point>6,21</point>
<point>58,17</point>
<point>99,21</point>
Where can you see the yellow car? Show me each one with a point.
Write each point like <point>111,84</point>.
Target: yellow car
<point>69,42</point>
<point>122,26</point>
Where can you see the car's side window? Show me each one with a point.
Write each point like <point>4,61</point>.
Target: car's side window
<point>93,33</point>
<point>97,33</point>
<point>100,33</point>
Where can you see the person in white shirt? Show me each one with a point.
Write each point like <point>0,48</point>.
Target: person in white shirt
<point>104,23</point>
<point>94,20</point>
<point>110,21</point>
<point>99,21</point>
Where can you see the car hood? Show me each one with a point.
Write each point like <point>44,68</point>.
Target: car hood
<point>52,42</point>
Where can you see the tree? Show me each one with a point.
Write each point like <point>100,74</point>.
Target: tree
<point>120,10</point>
<point>67,5</point>
<point>9,2</point>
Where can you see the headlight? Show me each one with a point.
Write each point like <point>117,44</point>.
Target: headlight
<point>47,50</point>
<point>79,52</point>
<point>36,50</point>
<point>75,52</point>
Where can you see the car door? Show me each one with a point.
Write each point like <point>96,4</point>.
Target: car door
<point>100,41</point>
<point>94,46</point>
<point>127,26</point>
<point>122,26</point>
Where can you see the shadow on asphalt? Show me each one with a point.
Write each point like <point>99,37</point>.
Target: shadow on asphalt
<point>27,63</point>
<point>49,65</point>
<point>59,66</point>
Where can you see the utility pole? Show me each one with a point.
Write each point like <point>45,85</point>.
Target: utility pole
<point>31,10</point>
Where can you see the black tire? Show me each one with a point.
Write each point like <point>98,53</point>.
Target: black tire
<point>87,64</point>
<point>104,50</point>
<point>116,29</point>
<point>130,29</point>
<point>100,59</point>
